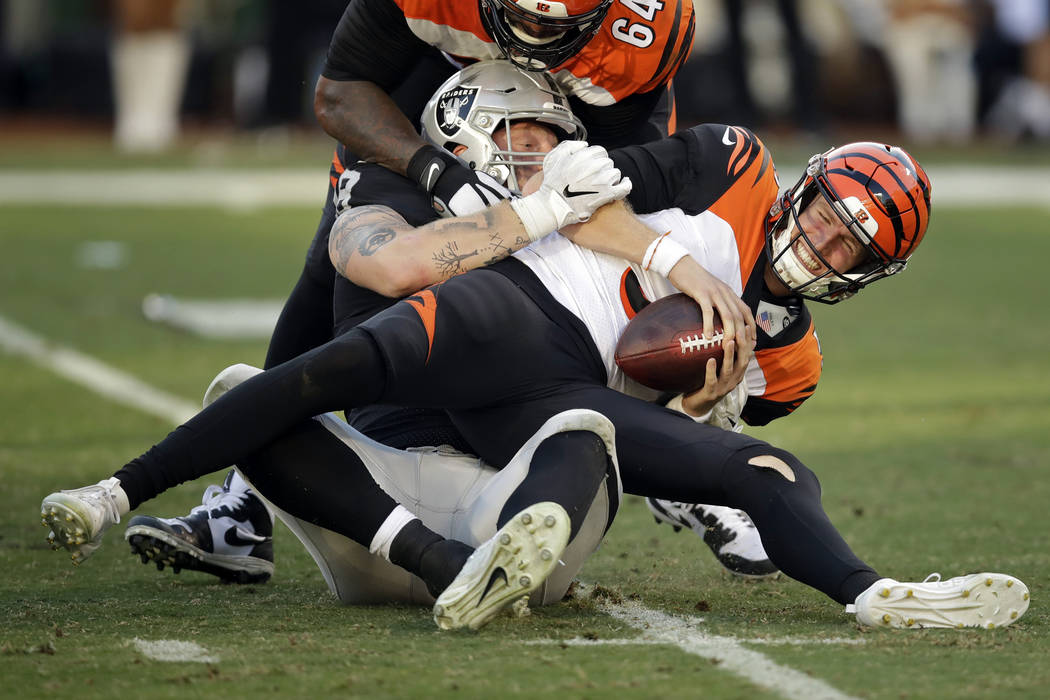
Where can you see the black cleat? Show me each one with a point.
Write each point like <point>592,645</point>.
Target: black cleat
<point>230,536</point>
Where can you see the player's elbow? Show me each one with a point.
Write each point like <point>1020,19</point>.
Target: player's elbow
<point>329,96</point>
<point>391,277</point>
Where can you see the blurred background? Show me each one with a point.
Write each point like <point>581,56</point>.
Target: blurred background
<point>151,76</point>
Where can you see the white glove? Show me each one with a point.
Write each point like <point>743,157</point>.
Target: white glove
<point>577,180</point>
<point>725,414</point>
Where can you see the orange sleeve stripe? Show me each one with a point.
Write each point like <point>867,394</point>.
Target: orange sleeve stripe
<point>337,169</point>
<point>791,372</point>
<point>746,203</point>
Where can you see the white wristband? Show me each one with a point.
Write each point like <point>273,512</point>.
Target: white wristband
<point>675,404</point>
<point>538,214</point>
<point>663,254</point>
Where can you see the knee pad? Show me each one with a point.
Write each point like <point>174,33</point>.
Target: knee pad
<point>227,379</point>
<point>486,508</point>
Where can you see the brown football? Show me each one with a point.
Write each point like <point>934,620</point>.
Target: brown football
<point>663,346</point>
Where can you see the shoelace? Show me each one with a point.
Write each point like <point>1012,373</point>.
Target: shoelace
<point>102,494</point>
<point>218,496</point>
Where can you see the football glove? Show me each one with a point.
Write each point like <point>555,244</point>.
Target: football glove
<point>577,180</point>
<point>456,189</point>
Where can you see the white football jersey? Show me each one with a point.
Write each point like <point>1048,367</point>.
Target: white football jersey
<point>589,284</point>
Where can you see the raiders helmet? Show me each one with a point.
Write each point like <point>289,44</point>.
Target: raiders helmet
<point>540,34</point>
<point>483,97</point>
<point>879,192</point>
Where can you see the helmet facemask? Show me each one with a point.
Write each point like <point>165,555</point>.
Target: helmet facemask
<point>537,35</point>
<point>789,247</point>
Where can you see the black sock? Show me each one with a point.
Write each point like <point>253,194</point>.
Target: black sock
<point>419,550</point>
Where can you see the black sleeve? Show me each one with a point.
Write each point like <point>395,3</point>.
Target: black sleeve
<point>631,120</point>
<point>689,169</point>
<point>372,42</point>
<point>378,185</point>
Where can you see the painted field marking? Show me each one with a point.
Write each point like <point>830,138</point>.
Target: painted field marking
<point>173,650</point>
<point>97,376</point>
<point>661,628</point>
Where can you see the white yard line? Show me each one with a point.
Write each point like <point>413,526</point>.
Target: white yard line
<point>752,666</point>
<point>173,650</point>
<point>94,375</point>
<point>953,186</point>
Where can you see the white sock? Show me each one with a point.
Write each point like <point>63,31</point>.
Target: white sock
<point>398,518</point>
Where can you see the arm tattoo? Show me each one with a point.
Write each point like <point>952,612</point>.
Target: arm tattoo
<point>449,260</point>
<point>363,230</point>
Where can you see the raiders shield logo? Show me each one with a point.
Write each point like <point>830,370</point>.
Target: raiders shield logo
<point>453,106</point>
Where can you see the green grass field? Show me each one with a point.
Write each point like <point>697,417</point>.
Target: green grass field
<point>931,434</point>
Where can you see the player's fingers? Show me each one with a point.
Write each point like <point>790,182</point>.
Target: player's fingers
<point>708,313</point>
<point>729,321</point>
<point>711,373</point>
<point>728,358</point>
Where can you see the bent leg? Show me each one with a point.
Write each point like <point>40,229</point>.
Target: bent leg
<point>665,455</point>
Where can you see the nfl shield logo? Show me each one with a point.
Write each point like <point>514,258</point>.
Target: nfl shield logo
<point>454,106</point>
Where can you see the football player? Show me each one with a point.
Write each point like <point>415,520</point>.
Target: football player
<point>387,57</point>
<point>509,346</point>
<point>509,120</point>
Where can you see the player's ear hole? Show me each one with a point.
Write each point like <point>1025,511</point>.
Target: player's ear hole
<point>775,463</point>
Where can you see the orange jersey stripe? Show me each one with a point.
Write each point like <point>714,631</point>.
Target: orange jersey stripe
<point>337,168</point>
<point>791,372</point>
<point>425,304</point>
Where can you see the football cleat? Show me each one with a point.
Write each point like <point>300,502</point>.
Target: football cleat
<point>976,600</point>
<point>505,568</point>
<point>230,535</point>
<point>79,517</point>
<point>728,532</point>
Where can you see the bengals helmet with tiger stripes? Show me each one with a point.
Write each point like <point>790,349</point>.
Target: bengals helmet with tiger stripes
<point>541,34</point>
<point>879,192</point>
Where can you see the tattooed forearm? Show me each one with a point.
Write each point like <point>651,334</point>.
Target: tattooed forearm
<point>362,230</point>
<point>449,260</point>
<point>374,240</point>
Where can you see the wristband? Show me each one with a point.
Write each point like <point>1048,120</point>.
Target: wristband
<point>663,254</point>
<point>426,166</point>
<point>675,404</point>
<point>538,216</point>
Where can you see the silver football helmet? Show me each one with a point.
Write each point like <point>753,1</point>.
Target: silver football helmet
<point>486,96</point>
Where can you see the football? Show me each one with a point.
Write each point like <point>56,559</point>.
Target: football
<point>663,346</point>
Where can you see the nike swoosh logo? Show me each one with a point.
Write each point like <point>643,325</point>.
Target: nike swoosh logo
<point>497,573</point>
<point>569,193</point>
<point>432,176</point>
<point>725,136</point>
<point>236,536</point>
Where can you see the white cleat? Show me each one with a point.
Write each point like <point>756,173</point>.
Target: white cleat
<point>79,517</point>
<point>506,568</point>
<point>976,600</point>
